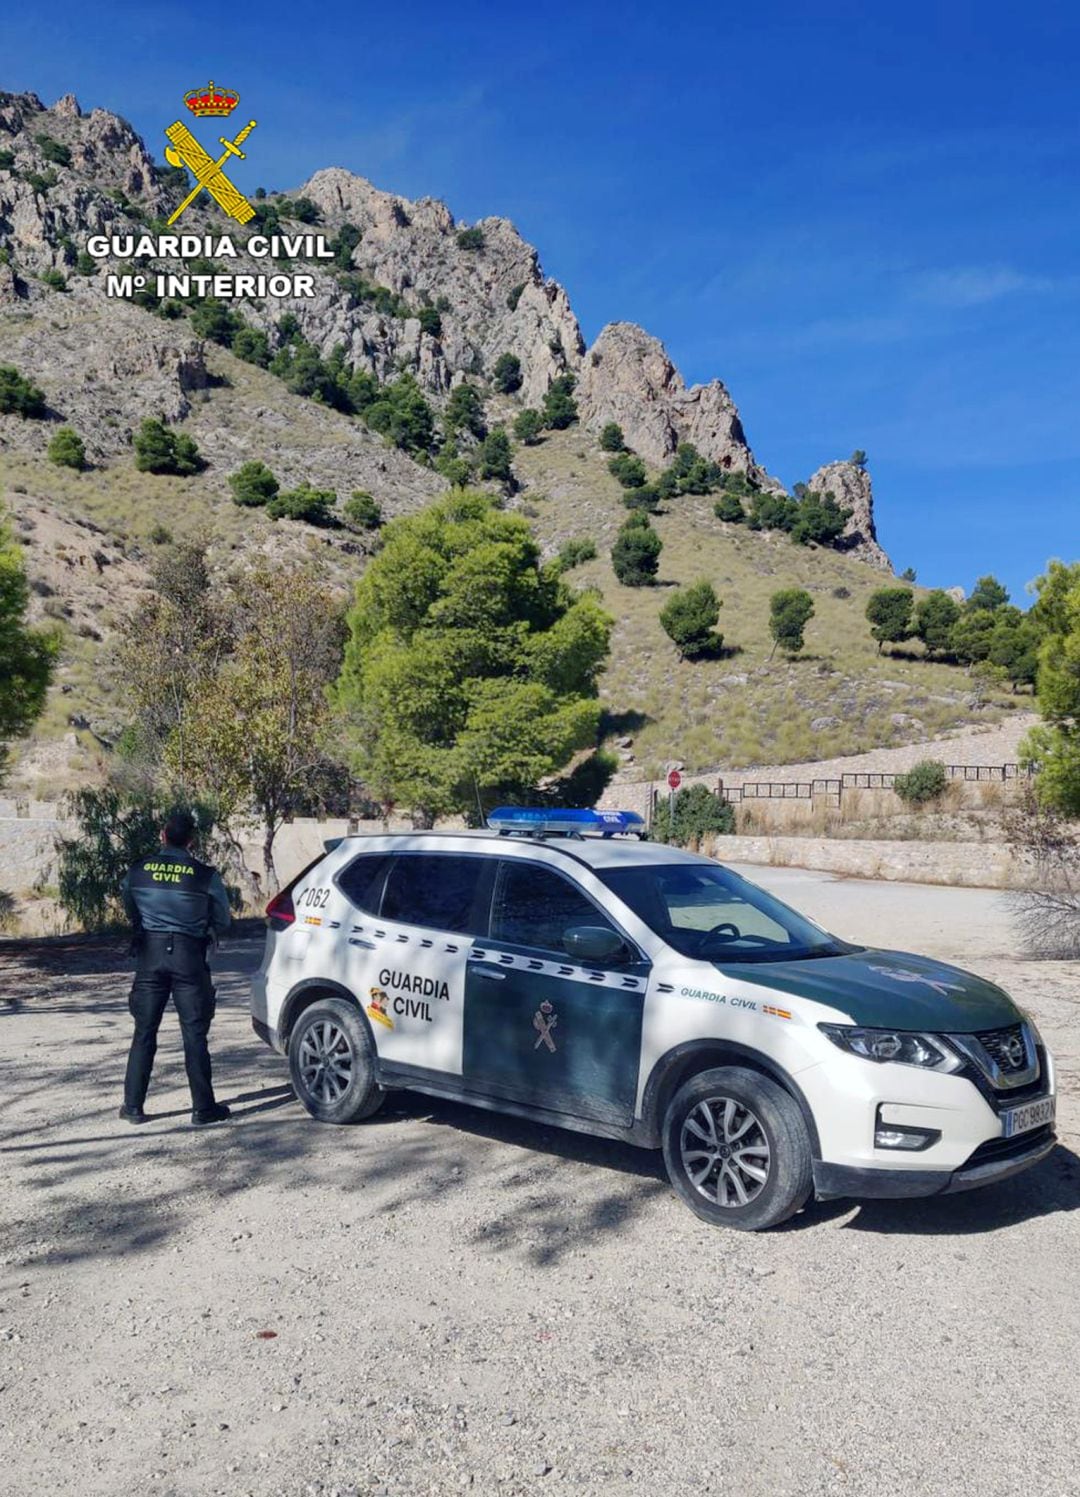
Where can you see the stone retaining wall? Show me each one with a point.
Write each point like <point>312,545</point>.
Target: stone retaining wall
<point>976,865</point>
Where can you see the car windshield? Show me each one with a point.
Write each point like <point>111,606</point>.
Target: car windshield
<point>708,912</point>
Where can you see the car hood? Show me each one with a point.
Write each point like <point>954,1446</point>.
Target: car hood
<point>888,990</point>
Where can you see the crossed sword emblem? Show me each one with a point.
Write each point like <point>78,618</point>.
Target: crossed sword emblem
<point>186,151</point>
<point>543,1026</point>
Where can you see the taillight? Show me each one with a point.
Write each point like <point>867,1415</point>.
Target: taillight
<point>280,912</point>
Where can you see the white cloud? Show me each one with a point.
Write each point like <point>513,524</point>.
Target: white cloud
<point>975,285</point>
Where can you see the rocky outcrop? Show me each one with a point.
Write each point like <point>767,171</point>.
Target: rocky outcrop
<point>627,377</point>
<point>850,486</point>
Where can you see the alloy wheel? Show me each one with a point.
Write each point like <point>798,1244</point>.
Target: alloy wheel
<point>326,1061</point>
<point>725,1152</point>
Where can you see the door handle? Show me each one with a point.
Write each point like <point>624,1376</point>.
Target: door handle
<point>490,976</point>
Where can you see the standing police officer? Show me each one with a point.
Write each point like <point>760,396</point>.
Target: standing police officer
<point>178,907</point>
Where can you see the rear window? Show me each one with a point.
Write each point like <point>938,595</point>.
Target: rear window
<point>443,891</point>
<point>362,881</point>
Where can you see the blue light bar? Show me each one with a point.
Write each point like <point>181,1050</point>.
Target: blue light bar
<point>544,821</point>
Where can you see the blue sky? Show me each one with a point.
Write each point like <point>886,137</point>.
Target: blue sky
<point>863,218</point>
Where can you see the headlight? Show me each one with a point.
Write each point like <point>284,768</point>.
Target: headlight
<point>924,1050</point>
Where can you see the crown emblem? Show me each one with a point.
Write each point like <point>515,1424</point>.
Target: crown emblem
<point>212,102</point>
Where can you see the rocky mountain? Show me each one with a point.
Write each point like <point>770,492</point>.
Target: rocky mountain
<point>410,289</point>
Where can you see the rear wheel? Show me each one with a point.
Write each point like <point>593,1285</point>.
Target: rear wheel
<point>332,1063</point>
<point>737,1149</point>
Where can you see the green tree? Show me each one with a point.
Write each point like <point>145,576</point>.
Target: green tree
<point>403,416</point>
<point>506,376</point>
<point>635,556</point>
<point>858,459</point>
<point>729,507</point>
<point>470,669</point>
<point>988,593</point>
<point>559,408</point>
<point>528,424</point>
<point>908,575</point>
<point>628,469</point>
<point>85,264</point>
<point>690,814</point>
<point>217,321</point>
<point>315,506</point>
<point>252,345</point>
<point>28,655</point>
<point>889,614</point>
<point>253,485</point>
<point>819,519</point>
<point>772,512</point>
<point>343,243</point>
<point>54,151</point>
<point>790,610</point>
<point>1053,747</point>
<point>67,449</point>
<point>689,619</point>
<point>935,620</point>
<point>513,296</point>
<point>465,412</point>
<point>18,397</point>
<point>1014,645</point>
<point>495,455</point>
<point>161,450</point>
<point>470,239</point>
<point>362,512</point>
<point>971,634</point>
<point>645,498</point>
<point>612,439</point>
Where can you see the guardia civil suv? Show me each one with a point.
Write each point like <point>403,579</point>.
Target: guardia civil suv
<point>554,968</point>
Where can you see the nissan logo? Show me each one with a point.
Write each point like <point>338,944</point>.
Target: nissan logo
<point>1013,1052</point>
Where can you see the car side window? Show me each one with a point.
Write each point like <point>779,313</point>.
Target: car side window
<point>438,890</point>
<point>534,906</point>
<point>362,881</point>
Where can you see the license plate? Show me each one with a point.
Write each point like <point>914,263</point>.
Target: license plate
<point>1030,1115</point>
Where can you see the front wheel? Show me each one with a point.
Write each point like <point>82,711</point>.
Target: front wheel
<point>737,1149</point>
<point>332,1063</point>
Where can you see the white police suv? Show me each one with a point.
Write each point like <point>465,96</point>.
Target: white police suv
<point>556,969</point>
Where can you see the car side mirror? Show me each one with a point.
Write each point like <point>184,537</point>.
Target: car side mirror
<point>594,943</point>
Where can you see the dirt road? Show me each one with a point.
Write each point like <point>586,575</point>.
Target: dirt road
<point>460,1301</point>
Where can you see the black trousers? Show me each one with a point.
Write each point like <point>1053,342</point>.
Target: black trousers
<point>170,966</point>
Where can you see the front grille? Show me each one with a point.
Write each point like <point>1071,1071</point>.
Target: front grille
<point>1006,1047</point>
<point>996,1149</point>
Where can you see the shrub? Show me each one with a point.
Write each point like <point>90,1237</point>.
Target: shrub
<point>495,453</point>
<point>159,450</point>
<point>889,613</point>
<point>690,473</point>
<point>772,512</point>
<point>576,550</point>
<point>513,296</point>
<point>692,813</point>
<point>908,575</point>
<point>85,264</point>
<point>858,458</point>
<point>40,181</point>
<point>215,320</point>
<point>160,535</point>
<point>252,345</point>
<point>528,425</point>
<point>506,376</point>
<point>635,556</point>
<point>729,507</point>
<point>628,469</point>
<point>7,160</point>
<point>790,610</point>
<point>362,512</point>
<point>253,485</point>
<point>612,439</point>
<point>559,409</point>
<point>470,239</point>
<point>457,470</point>
<point>53,150</point>
<point>302,209</point>
<point>67,450</point>
<point>343,243</point>
<point>54,278</point>
<point>401,414</point>
<point>304,503</point>
<point>430,321</point>
<point>689,618</point>
<point>925,782</point>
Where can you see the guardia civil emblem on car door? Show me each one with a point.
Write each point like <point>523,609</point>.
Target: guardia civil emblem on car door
<point>544,1021</point>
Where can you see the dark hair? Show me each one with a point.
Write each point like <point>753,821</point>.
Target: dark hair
<point>179,828</point>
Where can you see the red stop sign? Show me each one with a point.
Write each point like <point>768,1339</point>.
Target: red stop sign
<point>674,779</point>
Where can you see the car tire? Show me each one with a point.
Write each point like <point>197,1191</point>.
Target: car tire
<point>332,1063</point>
<point>737,1149</point>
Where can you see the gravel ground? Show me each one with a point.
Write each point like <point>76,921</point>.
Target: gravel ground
<point>459,1301</point>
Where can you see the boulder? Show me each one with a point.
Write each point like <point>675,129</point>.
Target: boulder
<point>850,486</point>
